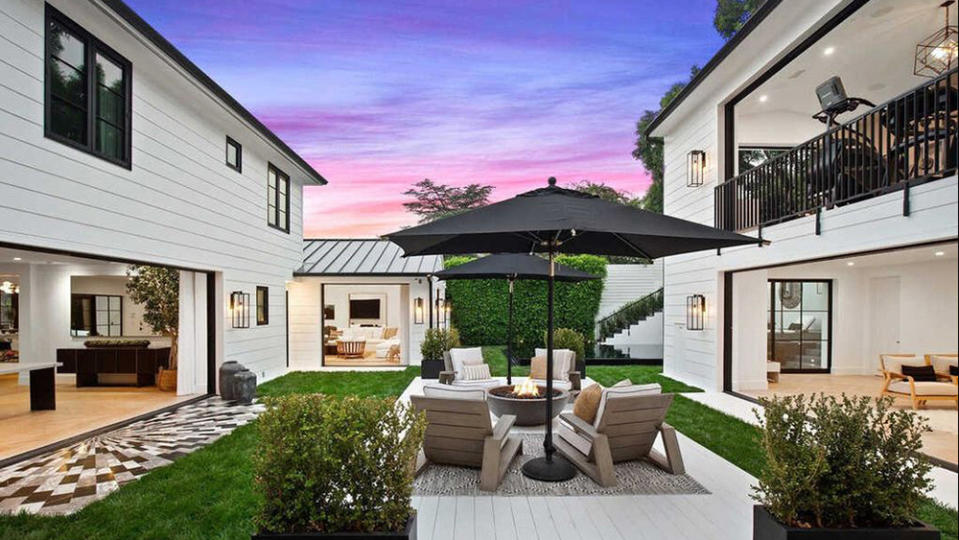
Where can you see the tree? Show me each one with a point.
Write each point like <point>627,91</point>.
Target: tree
<point>606,192</point>
<point>434,201</point>
<point>731,15</point>
<point>158,290</point>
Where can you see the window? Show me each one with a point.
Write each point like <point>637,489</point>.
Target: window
<point>277,199</point>
<point>87,103</point>
<point>262,306</point>
<point>234,155</point>
<point>9,306</point>
<point>96,315</point>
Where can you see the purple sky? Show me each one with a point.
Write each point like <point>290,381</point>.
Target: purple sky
<point>379,95</point>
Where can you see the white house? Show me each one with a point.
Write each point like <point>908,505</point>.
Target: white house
<point>861,219</point>
<point>116,149</point>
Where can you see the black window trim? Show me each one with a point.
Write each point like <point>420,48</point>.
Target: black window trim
<point>93,313</point>
<point>230,141</point>
<point>93,47</point>
<point>280,175</point>
<point>265,305</point>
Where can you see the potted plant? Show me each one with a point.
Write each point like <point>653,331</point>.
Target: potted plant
<point>329,467</point>
<point>158,290</point>
<point>436,342</point>
<point>567,338</point>
<point>840,468</point>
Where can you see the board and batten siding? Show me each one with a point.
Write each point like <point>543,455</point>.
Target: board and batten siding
<point>696,356</point>
<point>179,204</point>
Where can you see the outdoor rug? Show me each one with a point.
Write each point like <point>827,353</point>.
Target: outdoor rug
<point>634,478</point>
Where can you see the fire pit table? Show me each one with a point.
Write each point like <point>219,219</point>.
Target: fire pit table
<point>526,401</point>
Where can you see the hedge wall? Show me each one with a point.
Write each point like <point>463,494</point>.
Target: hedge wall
<point>480,307</point>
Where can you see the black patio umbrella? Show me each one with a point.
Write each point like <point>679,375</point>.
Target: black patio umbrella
<point>512,266</point>
<point>554,220</point>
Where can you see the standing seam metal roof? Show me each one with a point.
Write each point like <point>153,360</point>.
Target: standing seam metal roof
<point>362,256</point>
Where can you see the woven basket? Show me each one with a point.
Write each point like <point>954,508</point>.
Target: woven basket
<point>166,380</point>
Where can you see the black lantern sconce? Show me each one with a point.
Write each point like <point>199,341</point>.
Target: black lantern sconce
<point>448,311</point>
<point>440,313</point>
<point>240,309</point>
<point>695,168</point>
<point>695,312</point>
<point>418,310</point>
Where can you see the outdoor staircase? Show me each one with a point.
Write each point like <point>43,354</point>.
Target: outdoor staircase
<point>636,329</point>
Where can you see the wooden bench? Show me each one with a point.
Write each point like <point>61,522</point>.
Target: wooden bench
<point>43,390</point>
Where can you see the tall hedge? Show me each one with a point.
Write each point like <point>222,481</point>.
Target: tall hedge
<point>480,307</point>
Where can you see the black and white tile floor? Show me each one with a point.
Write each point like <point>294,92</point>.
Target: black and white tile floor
<point>65,480</point>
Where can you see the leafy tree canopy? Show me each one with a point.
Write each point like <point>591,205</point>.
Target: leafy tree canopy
<point>731,15</point>
<point>606,192</point>
<point>433,201</point>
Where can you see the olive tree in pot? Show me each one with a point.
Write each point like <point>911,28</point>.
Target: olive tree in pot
<point>436,342</point>
<point>336,467</point>
<point>846,468</point>
<point>157,289</point>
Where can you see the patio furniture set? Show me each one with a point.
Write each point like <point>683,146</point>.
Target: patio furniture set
<point>921,379</point>
<point>355,341</point>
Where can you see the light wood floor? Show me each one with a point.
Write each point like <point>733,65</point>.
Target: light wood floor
<point>369,360</point>
<point>78,410</point>
<point>943,418</point>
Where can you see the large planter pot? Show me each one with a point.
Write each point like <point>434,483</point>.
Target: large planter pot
<point>409,533</point>
<point>227,371</point>
<point>767,527</point>
<point>430,369</point>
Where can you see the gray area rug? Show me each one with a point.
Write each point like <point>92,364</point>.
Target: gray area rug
<point>634,478</point>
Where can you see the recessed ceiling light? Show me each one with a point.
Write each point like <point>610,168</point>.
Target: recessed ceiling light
<point>829,50</point>
<point>940,253</point>
<point>850,263</point>
<point>763,98</point>
<point>18,258</point>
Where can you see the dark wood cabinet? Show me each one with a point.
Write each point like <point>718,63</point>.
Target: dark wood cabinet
<point>89,364</point>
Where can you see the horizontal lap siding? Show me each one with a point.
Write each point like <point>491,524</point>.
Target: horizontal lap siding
<point>179,205</point>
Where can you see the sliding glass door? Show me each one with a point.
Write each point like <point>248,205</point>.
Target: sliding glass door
<point>799,334</point>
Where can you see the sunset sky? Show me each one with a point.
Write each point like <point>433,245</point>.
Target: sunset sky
<point>379,95</point>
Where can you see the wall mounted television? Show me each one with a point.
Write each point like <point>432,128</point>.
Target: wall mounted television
<point>365,309</point>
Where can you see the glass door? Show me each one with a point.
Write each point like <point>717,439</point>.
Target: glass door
<point>800,325</point>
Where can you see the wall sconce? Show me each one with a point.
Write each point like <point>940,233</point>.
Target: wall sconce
<point>438,308</point>
<point>240,309</point>
<point>695,168</point>
<point>418,310</point>
<point>448,311</point>
<point>695,311</point>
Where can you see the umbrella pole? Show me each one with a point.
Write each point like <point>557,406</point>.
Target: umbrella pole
<point>548,468</point>
<point>509,337</point>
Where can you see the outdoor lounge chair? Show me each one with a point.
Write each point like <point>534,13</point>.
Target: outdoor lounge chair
<point>896,384</point>
<point>459,432</point>
<point>567,378</point>
<point>455,359</point>
<point>628,420</point>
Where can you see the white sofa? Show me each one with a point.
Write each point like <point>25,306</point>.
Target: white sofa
<point>383,348</point>
<point>372,335</point>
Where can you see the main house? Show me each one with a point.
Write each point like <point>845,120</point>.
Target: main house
<point>116,149</point>
<point>828,129</point>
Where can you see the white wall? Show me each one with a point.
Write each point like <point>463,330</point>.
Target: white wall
<point>115,285</point>
<point>178,205</point>
<point>339,297</point>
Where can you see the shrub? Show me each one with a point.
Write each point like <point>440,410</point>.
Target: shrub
<point>329,464</point>
<point>567,338</point>
<point>848,462</point>
<point>480,306</point>
<point>437,341</point>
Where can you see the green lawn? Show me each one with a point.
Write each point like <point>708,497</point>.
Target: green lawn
<point>208,494</point>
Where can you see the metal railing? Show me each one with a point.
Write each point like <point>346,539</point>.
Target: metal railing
<point>907,140</point>
<point>629,314</point>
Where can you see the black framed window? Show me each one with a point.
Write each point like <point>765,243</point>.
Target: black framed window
<point>88,92</point>
<point>96,315</point>
<point>277,199</point>
<point>234,155</point>
<point>800,325</point>
<point>262,306</point>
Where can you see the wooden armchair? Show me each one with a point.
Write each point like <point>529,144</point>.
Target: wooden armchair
<point>625,429</point>
<point>894,383</point>
<point>941,363</point>
<point>460,432</point>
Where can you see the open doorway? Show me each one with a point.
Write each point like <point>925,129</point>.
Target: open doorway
<point>364,324</point>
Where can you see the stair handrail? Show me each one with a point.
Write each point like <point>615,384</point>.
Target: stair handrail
<point>629,313</point>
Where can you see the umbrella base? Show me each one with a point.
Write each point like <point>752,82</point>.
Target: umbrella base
<point>555,470</point>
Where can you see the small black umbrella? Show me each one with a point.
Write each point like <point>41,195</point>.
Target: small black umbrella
<point>554,220</point>
<point>512,266</point>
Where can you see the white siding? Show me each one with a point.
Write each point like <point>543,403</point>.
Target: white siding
<point>179,204</point>
<point>627,282</point>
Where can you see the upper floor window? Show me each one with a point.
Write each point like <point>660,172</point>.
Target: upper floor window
<point>234,155</point>
<point>87,102</point>
<point>277,199</point>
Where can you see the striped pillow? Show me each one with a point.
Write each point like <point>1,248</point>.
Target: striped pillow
<point>477,372</point>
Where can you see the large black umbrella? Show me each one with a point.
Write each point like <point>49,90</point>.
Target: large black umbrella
<point>512,266</point>
<point>554,220</point>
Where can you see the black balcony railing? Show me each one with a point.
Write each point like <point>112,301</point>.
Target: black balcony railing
<point>907,140</point>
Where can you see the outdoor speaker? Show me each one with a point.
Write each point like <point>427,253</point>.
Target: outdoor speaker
<point>831,93</point>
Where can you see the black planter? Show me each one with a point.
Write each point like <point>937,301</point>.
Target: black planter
<point>767,527</point>
<point>409,533</point>
<point>430,369</point>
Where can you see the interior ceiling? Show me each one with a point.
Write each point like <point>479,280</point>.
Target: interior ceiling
<point>916,255</point>
<point>873,53</point>
<point>20,256</point>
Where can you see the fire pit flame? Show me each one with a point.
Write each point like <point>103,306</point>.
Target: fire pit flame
<point>527,389</point>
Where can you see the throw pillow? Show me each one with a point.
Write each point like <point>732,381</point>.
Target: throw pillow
<point>537,368</point>
<point>622,383</point>
<point>476,372</point>
<point>587,403</point>
<point>954,370</point>
<point>920,373</point>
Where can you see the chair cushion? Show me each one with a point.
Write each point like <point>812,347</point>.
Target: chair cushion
<point>460,357</point>
<point>924,388</point>
<point>920,373</point>
<point>894,362</point>
<point>561,373</point>
<point>942,362</point>
<point>557,385</point>
<point>537,367</point>
<point>453,392</point>
<point>626,391</point>
<point>478,372</point>
<point>622,383</point>
<point>587,403</point>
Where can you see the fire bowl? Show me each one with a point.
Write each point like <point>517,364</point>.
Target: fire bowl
<point>529,411</point>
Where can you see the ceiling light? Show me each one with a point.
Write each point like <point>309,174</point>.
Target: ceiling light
<point>937,53</point>
<point>850,263</point>
<point>940,253</point>
<point>828,51</point>
<point>18,258</point>
<point>763,98</point>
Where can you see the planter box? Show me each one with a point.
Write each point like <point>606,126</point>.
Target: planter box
<point>767,527</point>
<point>430,369</point>
<point>409,533</point>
